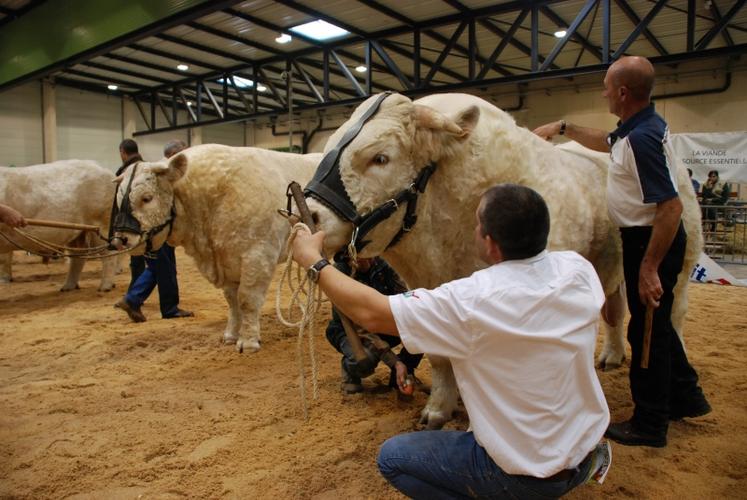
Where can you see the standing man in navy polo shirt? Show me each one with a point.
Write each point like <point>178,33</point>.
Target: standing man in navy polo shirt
<point>643,200</point>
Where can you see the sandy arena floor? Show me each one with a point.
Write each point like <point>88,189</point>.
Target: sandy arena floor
<point>97,407</point>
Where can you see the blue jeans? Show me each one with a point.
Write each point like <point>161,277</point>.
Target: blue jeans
<point>451,464</point>
<point>160,271</point>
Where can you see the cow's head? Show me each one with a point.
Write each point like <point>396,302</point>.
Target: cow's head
<point>145,203</point>
<point>394,145</point>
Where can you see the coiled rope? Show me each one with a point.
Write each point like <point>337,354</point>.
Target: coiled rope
<point>55,250</point>
<point>308,307</point>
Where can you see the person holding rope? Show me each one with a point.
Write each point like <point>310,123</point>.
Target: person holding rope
<point>520,335</point>
<point>377,274</point>
<point>11,216</point>
<point>159,271</point>
<point>644,202</point>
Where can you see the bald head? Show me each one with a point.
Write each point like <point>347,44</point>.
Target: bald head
<point>636,74</point>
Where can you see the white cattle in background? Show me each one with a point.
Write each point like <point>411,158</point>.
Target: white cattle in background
<point>475,146</point>
<point>78,191</point>
<point>226,201</point>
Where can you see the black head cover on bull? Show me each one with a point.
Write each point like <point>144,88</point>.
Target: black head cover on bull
<point>326,185</point>
<point>122,219</point>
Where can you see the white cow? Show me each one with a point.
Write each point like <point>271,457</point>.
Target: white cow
<point>474,145</point>
<point>77,191</point>
<point>226,200</point>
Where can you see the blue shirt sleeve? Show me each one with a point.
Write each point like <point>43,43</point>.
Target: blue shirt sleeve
<point>652,165</point>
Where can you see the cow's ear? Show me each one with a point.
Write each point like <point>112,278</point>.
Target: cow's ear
<point>177,168</point>
<point>467,120</point>
<point>426,117</point>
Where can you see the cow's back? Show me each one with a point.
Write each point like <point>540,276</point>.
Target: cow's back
<point>77,191</point>
<point>228,201</point>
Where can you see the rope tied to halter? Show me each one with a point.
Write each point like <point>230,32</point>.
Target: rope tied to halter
<point>306,297</point>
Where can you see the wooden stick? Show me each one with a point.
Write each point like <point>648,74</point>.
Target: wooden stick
<point>647,326</point>
<point>64,225</point>
<point>355,342</point>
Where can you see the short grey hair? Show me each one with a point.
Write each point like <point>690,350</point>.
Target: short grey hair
<point>173,146</point>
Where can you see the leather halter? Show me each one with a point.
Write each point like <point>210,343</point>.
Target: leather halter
<point>327,187</point>
<point>124,221</point>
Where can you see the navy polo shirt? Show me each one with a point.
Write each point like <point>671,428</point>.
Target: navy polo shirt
<point>643,171</point>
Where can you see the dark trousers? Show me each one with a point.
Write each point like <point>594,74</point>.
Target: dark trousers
<point>362,369</point>
<point>160,271</point>
<point>137,266</point>
<point>669,381</point>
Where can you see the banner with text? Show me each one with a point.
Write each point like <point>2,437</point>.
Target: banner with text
<point>722,151</point>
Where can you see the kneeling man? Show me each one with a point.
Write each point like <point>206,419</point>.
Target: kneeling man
<point>520,336</point>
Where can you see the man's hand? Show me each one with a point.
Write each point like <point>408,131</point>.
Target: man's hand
<point>649,286</point>
<point>548,130</point>
<point>11,217</point>
<point>307,247</point>
<point>402,382</point>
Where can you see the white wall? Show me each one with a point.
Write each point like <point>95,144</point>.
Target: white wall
<point>21,126</point>
<point>230,134</point>
<point>89,126</point>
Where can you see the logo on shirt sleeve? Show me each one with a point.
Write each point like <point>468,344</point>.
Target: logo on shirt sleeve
<point>409,294</point>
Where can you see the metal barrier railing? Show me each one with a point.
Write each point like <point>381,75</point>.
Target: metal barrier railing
<point>725,232</point>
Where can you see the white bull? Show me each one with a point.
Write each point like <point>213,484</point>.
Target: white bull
<point>78,191</point>
<point>225,200</point>
<point>474,146</point>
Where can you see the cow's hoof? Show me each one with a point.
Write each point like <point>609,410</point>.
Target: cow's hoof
<point>433,420</point>
<point>610,361</point>
<point>67,288</point>
<point>229,339</point>
<point>249,345</point>
<point>107,288</point>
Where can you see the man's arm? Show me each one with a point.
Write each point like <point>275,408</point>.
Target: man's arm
<point>362,304</point>
<point>666,223</point>
<point>592,138</point>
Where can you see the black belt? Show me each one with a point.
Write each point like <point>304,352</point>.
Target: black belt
<point>568,474</point>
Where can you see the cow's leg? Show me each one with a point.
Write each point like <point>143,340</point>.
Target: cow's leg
<point>231,333</point>
<point>73,274</point>
<point>108,270</point>
<point>679,306</point>
<point>613,348</point>
<point>6,258</point>
<point>257,268</point>
<point>444,393</point>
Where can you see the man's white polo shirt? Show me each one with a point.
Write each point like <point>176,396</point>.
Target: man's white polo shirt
<point>520,336</point>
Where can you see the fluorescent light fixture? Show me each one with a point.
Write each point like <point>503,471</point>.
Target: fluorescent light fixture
<point>241,83</point>
<point>284,38</point>
<point>261,87</point>
<point>112,87</point>
<point>189,103</point>
<point>319,30</point>
<point>560,33</point>
<point>182,67</point>
<point>361,69</point>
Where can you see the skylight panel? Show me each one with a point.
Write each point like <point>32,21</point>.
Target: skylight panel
<point>320,30</point>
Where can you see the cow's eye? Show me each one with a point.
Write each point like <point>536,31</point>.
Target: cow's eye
<point>147,198</point>
<point>380,160</point>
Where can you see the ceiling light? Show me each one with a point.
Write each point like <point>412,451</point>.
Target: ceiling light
<point>560,33</point>
<point>189,103</point>
<point>182,67</point>
<point>320,30</point>
<point>361,69</point>
<point>261,87</point>
<point>240,82</point>
<point>112,87</point>
<point>284,38</point>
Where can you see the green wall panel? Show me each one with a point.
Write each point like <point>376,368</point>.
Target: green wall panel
<point>59,30</point>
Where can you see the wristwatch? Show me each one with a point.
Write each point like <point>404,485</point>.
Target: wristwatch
<point>313,272</point>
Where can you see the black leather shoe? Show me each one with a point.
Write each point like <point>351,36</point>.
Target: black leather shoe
<point>626,433</point>
<point>180,313</point>
<point>691,410</point>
